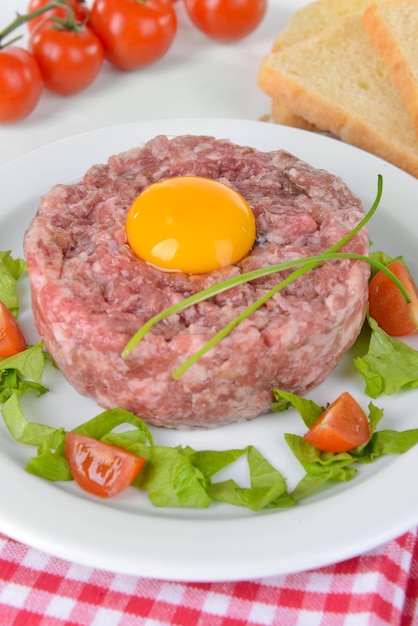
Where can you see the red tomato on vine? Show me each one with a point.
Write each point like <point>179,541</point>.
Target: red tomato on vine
<point>226,20</point>
<point>134,34</point>
<point>21,83</point>
<point>69,59</point>
<point>80,10</point>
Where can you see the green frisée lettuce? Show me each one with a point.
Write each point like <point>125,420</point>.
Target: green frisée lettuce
<point>50,462</point>
<point>268,489</point>
<point>183,477</point>
<point>22,372</point>
<point>324,467</point>
<point>307,409</point>
<point>10,270</point>
<point>389,364</point>
<point>172,477</point>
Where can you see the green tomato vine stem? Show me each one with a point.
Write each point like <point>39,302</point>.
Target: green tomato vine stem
<point>67,24</point>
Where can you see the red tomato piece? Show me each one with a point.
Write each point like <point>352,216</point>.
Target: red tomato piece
<point>134,34</point>
<point>342,426</point>
<point>21,83</point>
<point>99,468</point>
<point>12,340</point>
<point>69,60</point>
<point>226,20</point>
<point>387,304</point>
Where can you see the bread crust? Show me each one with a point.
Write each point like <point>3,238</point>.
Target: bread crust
<point>343,88</point>
<point>393,28</point>
<point>304,23</point>
<point>282,114</point>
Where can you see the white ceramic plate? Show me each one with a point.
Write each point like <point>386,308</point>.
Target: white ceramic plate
<point>127,534</point>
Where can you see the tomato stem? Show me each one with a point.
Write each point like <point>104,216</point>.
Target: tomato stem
<point>21,19</point>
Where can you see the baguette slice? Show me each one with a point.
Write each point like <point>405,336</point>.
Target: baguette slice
<point>393,27</point>
<point>337,81</point>
<point>304,23</point>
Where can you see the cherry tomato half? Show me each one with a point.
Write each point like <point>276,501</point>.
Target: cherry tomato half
<point>80,10</point>
<point>69,60</point>
<point>134,33</point>
<point>12,340</point>
<point>20,83</point>
<point>342,426</point>
<point>226,20</point>
<point>99,468</point>
<point>387,305</point>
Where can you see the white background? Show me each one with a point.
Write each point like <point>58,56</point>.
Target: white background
<point>198,77</point>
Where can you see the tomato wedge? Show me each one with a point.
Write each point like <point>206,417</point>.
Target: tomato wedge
<point>342,426</point>
<point>387,305</point>
<point>12,340</point>
<point>99,468</point>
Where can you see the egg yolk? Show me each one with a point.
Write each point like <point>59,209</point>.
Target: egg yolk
<point>190,224</point>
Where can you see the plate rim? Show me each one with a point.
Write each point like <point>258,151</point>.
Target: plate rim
<point>47,537</point>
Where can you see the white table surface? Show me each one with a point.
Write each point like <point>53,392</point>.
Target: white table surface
<point>198,77</point>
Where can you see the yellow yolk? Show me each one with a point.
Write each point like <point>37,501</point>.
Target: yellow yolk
<point>190,224</point>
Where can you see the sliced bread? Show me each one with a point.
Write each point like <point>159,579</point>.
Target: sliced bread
<point>337,81</point>
<point>282,114</point>
<point>393,27</point>
<point>314,17</point>
<point>304,23</point>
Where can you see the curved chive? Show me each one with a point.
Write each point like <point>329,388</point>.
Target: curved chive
<point>306,264</point>
<point>225,330</point>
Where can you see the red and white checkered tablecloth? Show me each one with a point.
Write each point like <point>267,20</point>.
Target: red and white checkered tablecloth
<point>375,589</point>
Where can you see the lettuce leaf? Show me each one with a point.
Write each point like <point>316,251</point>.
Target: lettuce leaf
<point>104,423</point>
<point>23,372</point>
<point>171,479</point>
<point>30,433</point>
<point>386,442</point>
<point>383,258</point>
<point>49,464</point>
<point>172,476</point>
<point>307,409</point>
<point>10,270</point>
<point>389,364</point>
<point>322,468</point>
<point>268,488</point>
<point>183,477</point>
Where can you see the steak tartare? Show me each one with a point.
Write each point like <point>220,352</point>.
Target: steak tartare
<point>90,293</point>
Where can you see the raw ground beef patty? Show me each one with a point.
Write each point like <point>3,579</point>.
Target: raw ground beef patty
<point>90,293</point>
